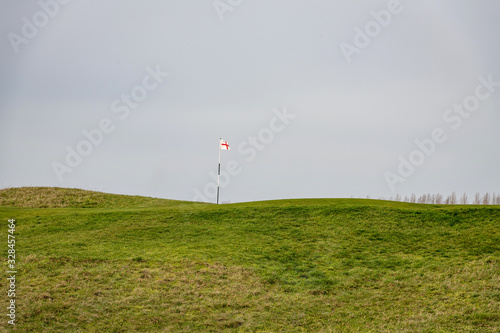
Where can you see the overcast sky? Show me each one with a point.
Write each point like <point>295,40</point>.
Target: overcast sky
<point>317,98</point>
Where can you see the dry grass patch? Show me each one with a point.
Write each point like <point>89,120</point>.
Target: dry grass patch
<point>54,197</point>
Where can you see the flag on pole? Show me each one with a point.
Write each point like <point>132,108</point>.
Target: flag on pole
<point>224,145</point>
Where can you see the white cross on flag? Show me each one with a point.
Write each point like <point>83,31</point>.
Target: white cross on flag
<point>224,145</point>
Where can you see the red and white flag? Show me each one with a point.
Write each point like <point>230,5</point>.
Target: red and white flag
<point>224,145</point>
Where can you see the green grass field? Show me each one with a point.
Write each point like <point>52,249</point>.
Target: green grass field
<point>94,262</point>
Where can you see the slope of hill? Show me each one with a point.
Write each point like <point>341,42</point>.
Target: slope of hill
<point>324,265</point>
<point>53,197</point>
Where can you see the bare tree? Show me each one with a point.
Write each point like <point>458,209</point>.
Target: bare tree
<point>406,199</point>
<point>433,199</point>
<point>439,199</point>
<point>413,198</point>
<point>464,200</point>
<point>425,198</point>
<point>447,201</point>
<point>453,198</point>
<point>421,199</point>
<point>477,199</point>
<point>486,199</point>
<point>495,199</point>
<point>398,197</point>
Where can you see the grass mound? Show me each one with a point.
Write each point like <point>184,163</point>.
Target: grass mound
<point>326,265</point>
<point>54,197</point>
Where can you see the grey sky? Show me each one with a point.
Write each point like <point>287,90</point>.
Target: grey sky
<point>228,78</point>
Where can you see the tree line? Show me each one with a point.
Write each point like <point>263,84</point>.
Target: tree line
<point>452,199</point>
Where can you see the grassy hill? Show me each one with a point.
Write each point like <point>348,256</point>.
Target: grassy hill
<point>53,197</point>
<point>94,262</point>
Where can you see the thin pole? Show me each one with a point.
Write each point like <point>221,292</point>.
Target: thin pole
<point>218,175</point>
